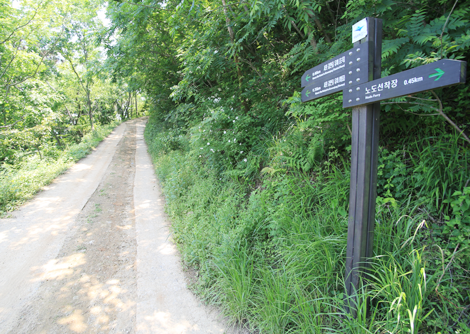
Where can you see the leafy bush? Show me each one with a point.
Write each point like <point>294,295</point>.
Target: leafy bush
<point>272,256</point>
<point>25,179</point>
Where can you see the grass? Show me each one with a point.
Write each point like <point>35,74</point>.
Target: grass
<point>272,254</point>
<point>21,182</point>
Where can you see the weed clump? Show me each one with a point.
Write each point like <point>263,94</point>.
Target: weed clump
<point>269,243</point>
<point>22,181</point>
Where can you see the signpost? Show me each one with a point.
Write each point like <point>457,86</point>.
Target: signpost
<point>347,69</point>
<point>442,73</point>
<point>356,72</point>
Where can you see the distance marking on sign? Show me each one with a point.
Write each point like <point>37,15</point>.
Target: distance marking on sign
<point>326,87</point>
<point>441,73</point>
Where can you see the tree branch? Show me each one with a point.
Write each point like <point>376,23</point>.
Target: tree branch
<point>416,103</point>
<point>24,25</point>
<point>137,4</point>
<point>448,119</point>
<point>296,28</point>
<point>12,59</point>
<point>10,125</point>
<point>445,24</point>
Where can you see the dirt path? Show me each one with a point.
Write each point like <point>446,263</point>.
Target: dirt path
<point>92,253</point>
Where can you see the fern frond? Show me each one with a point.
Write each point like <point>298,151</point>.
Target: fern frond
<point>417,23</point>
<point>390,47</point>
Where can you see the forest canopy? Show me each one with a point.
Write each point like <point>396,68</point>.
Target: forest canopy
<point>53,78</point>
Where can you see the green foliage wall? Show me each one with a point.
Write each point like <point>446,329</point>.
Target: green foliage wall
<point>202,62</point>
<point>257,182</point>
<point>54,85</point>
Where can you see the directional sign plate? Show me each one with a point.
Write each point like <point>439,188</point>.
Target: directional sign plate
<point>348,69</point>
<point>340,64</point>
<point>442,73</point>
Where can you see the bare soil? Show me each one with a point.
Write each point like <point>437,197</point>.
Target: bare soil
<point>97,271</point>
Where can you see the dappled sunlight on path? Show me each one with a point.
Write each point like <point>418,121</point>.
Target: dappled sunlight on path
<point>98,258</point>
<point>166,306</point>
<point>34,235</point>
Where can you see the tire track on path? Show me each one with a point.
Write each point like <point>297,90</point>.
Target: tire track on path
<point>93,254</point>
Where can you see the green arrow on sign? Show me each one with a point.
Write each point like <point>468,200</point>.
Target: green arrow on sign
<point>307,93</point>
<point>439,74</point>
<point>307,77</point>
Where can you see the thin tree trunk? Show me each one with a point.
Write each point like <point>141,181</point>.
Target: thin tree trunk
<point>136,110</point>
<point>237,63</point>
<point>313,41</point>
<point>90,111</point>
<point>130,103</point>
<point>320,27</point>
<point>56,138</point>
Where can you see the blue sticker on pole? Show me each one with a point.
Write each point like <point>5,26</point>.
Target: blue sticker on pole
<point>359,30</point>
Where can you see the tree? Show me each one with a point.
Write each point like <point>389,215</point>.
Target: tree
<point>79,47</point>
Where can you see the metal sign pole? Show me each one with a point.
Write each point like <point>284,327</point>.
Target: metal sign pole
<point>363,184</point>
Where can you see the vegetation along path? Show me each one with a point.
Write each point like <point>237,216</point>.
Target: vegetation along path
<point>91,253</point>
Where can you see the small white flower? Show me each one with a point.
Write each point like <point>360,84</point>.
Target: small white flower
<point>216,51</point>
<point>208,143</point>
<point>235,140</point>
<point>212,150</point>
<point>225,132</point>
<point>203,130</point>
<point>236,117</point>
<point>200,156</point>
<point>229,141</point>
<point>241,152</point>
<point>233,121</point>
<point>240,144</point>
<point>201,148</point>
<point>245,160</point>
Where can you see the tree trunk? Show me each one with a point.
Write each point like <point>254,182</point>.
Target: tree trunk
<point>237,63</point>
<point>136,110</point>
<point>79,109</point>
<point>59,143</point>
<point>130,104</point>
<point>320,27</point>
<point>90,111</point>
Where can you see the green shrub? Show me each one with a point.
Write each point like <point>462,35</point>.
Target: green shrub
<point>272,254</point>
<point>21,182</point>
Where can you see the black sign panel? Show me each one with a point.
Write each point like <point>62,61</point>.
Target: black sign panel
<point>441,73</point>
<point>348,69</point>
<point>346,61</point>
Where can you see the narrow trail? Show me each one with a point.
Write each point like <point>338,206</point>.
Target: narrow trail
<point>92,252</point>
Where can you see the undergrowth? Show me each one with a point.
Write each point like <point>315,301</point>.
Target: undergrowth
<point>271,253</point>
<point>22,181</point>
